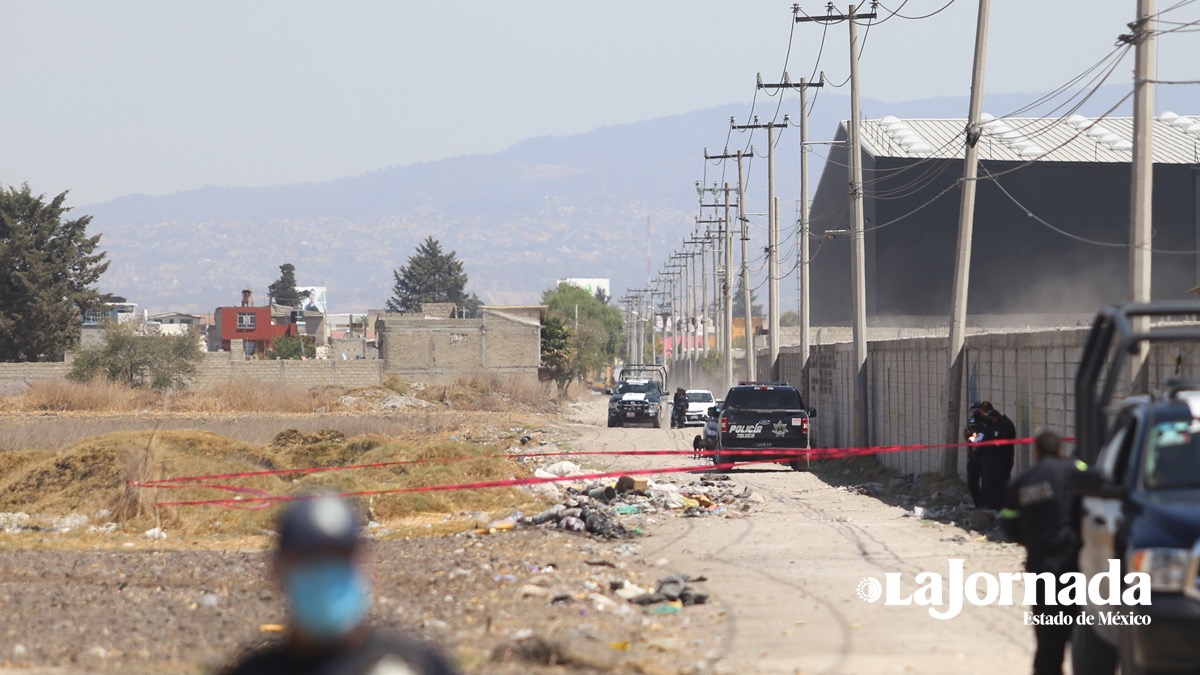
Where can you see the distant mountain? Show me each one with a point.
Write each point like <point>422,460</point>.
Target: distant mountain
<point>543,209</point>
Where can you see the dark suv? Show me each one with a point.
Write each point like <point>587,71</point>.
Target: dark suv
<point>756,418</point>
<point>1140,501</point>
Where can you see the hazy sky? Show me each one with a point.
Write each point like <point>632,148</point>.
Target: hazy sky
<point>118,97</point>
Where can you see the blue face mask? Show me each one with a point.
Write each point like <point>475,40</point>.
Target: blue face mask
<point>328,598</point>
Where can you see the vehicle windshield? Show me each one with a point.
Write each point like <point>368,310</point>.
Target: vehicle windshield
<point>700,397</point>
<point>764,399</point>
<point>1173,455</point>
<point>638,388</point>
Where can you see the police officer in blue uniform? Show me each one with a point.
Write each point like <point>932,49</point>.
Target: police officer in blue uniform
<point>1041,514</point>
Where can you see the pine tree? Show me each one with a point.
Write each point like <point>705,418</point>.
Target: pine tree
<point>283,290</point>
<point>739,302</point>
<point>430,276</point>
<point>48,270</point>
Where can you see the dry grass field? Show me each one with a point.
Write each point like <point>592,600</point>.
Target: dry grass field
<point>83,448</point>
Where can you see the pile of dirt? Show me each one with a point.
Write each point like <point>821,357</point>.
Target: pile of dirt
<point>103,474</point>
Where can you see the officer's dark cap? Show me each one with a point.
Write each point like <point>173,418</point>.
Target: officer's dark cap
<point>319,525</point>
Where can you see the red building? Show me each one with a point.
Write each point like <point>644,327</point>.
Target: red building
<point>254,326</point>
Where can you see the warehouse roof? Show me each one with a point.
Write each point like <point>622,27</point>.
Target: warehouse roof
<point>1074,139</point>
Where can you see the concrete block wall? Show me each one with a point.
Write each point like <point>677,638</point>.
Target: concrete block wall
<point>299,374</point>
<point>15,377</point>
<point>447,349</point>
<point>1029,376</point>
<point>513,345</point>
<point>221,371</point>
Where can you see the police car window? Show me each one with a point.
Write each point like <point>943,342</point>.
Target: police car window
<point>1108,455</point>
<point>699,397</point>
<point>766,399</point>
<point>637,388</point>
<point>1172,457</point>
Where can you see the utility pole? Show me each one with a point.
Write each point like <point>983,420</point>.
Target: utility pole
<point>802,262</point>
<point>1143,180</point>
<point>858,248</point>
<point>962,261</point>
<point>772,241</point>
<point>727,280</point>
<point>702,319</point>
<point>727,297</point>
<point>690,327</point>
<point>704,241</point>
<point>676,308</point>
<point>748,312</point>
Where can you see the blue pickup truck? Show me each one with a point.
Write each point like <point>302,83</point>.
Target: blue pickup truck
<point>639,397</point>
<point>1141,495</point>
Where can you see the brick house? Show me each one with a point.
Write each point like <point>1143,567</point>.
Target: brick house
<point>254,326</point>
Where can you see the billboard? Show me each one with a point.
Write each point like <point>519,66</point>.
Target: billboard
<point>316,300</point>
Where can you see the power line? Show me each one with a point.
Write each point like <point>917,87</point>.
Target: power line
<point>914,18</point>
<point>1038,219</point>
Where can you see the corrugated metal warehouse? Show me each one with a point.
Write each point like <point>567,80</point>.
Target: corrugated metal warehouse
<point>1050,235</point>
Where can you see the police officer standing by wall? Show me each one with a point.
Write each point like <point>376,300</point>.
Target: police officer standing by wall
<point>1042,515</point>
<point>977,429</point>
<point>996,461</point>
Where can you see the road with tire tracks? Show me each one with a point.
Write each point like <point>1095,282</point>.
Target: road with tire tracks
<point>788,575</point>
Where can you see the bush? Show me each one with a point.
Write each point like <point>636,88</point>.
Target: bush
<point>291,348</point>
<point>135,357</point>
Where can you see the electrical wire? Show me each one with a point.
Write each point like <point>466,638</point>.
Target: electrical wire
<point>1181,3</point>
<point>914,18</point>
<point>1120,52</point>
<point>1070,139</point>
<point>1041,221</point>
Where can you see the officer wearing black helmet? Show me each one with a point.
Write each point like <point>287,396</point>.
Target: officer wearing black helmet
<point>321,564</point>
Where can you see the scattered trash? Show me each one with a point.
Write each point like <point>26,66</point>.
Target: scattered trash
<point>156,533</point>
<point>668,608</point>
<point>572,523</point>
<point>209,600</point>
<point>671,589</point>
<point>533,591</point>
<point>14,522</point>
<point>563,469</point>
<point>631,483</point>
<point>604,493</point>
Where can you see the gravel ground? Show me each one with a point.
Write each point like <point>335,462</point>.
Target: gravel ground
<point>486,600</point>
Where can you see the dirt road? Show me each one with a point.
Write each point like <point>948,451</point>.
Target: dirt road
<point>788,576</point>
